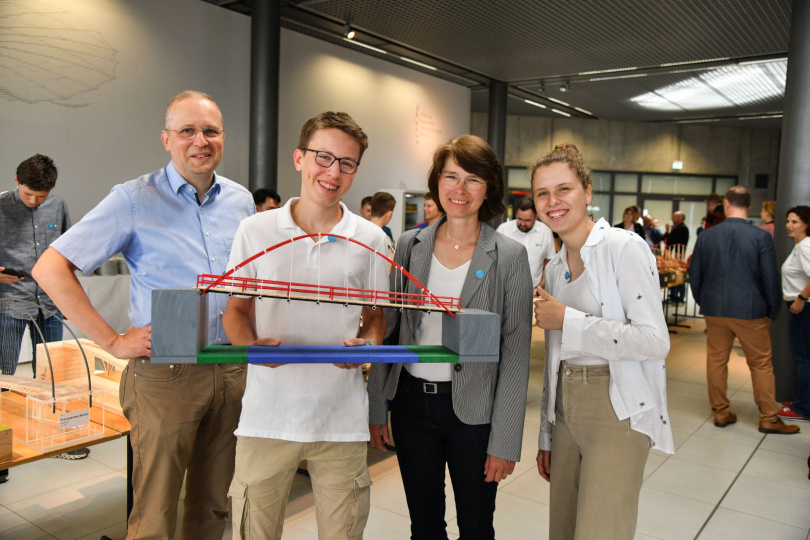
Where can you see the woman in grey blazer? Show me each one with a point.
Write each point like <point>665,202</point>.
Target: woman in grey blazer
<point>466,416</point>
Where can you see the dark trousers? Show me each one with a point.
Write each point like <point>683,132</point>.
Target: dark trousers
<point>428,435</point>
<point>11,334</point>
<point>799,327</point>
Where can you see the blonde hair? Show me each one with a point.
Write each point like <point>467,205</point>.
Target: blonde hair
<point>569,154</point>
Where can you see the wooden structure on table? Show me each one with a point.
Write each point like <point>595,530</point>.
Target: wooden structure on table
<point>68,368</point>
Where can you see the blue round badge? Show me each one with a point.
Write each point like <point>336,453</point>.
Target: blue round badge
<point>50,225</point>
<point>332,238</point>
<point>479,274</point>
<point>567,275</point>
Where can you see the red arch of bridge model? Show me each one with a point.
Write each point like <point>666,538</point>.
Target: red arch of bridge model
<point>319,236</point>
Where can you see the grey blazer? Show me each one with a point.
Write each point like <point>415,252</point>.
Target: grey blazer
<point>482,392</point>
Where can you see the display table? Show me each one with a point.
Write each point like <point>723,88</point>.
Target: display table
<point>12,414</point>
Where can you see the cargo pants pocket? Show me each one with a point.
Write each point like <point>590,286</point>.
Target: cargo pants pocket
<point>358,516</point>
<point>240,508</point>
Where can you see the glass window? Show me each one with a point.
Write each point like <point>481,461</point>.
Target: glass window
<point>620,202</point>
<point>518,177</point>
<point>601,181</point>
<point>600,205</point>
<point>626,182</point>
<point>723,184</point>
<point>673,184</point>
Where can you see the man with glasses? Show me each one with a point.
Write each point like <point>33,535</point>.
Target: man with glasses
<point>312,412</point>
<point>170,225</point>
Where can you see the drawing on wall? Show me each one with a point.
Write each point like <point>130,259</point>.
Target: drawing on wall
<point>47,54</point>
<point>425,127</point>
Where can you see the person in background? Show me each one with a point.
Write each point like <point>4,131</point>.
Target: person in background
<point>702,227</point>
<point>535,237</point>
<point>604,401</point>
<point>30,219</point>
<point>170,225</point>
<point>651,233</point>
<point>736,284</point>
<point>467,417</point>
<point>365,207</point>
<point>629,222</point>
<point>796,291</point>
<point>431,212</point>
<point>768,215</point>
<point>266,199</point>
<point>677,238</point>
<point>382,208</point>
<point>715,213</point>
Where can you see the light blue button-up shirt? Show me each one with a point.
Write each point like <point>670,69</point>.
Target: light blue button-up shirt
<point>166,237</point>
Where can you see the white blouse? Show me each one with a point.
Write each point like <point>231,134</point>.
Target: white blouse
<point>796,270</point>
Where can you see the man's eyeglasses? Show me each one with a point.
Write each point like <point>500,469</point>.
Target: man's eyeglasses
<point>189,133</point>
<point>472,183</point>
<point>325,159</point>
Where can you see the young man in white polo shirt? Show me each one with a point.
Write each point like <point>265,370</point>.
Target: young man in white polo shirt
<point>536,237</point>
<point>312,412</point>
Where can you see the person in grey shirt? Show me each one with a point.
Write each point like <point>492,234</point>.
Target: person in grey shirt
<point>30,218</point>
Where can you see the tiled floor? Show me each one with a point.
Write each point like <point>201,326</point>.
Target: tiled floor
<point>721,483</point>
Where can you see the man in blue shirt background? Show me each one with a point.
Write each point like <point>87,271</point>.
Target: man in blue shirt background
<point>169,225</point>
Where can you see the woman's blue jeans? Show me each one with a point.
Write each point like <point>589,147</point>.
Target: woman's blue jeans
<point>799,325</point>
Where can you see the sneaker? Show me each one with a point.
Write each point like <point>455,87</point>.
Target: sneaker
<point>778,427</point>
<point>788,414</point>
<point>787,403</point>
<point>81,453</point>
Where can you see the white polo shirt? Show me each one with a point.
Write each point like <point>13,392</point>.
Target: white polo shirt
<point>539,242</point>
<point>307,402</point>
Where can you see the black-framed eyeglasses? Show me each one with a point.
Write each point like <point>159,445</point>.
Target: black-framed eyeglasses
<point>325,159</point>
<point>188,133</point>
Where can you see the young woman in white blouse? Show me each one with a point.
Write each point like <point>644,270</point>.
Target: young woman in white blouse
<point>796,291</point>
<point>604,396</point>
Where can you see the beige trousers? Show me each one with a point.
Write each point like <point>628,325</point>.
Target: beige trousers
<point>264,473</point>
<point>755,339</point>
<point>183,417</point>
<point>597,461</point>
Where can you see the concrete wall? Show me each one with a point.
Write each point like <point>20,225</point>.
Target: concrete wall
<point>644,147</point>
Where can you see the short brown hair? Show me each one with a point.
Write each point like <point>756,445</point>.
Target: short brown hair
<point>37,173</point>
<point>803,212</point>
<point>428,196</point>
<point>715,198</point>
<point>525,203</point>
<point>185,94</point>
<point>770,207</point>
<point>475,156</point>
<point>333,120</point>
<point>738,197</point>
<point>382,202</point>
<point>569,154</point>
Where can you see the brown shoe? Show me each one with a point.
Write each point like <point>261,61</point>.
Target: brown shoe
<point>778,427</point>
<point>729,419</point>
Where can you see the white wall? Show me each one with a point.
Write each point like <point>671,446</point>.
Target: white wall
<point>86,84</point>
<point>405,113</point>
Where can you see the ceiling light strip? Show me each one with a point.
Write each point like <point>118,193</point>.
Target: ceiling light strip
<point>420,64</point>
<point>375,49</point>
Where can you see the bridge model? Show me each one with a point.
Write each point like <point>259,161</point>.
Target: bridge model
<point>180,315</point>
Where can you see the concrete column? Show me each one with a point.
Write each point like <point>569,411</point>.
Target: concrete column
<point>793,184</point>
<point>265,37</point>
<point>496,127</point>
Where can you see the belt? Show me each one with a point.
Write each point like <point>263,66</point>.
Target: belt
<point>421,385</point>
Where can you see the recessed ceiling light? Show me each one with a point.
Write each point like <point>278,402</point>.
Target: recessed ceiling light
<point>530,102</point>
<point>419,63</point>
<point>562,113</point>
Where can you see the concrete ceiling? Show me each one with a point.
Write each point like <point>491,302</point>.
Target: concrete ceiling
<point>628,60</point>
